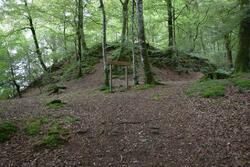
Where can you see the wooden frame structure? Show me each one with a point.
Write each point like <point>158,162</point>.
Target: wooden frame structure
<point>118,63</point>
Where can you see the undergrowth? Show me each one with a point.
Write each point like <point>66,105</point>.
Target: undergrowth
<point>216,88</point>
<point>33,126</point>
<point>54,132</point>
<point>7,129</point>
<point>55,136</point>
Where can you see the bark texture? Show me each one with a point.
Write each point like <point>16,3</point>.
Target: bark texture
<point>242,63</point>
<point>149,79</point>
<point>104,44</point>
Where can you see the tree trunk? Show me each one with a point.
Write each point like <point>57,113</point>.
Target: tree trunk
<point>149,79</point>
<point>80,36</point>
<point>64,30</point>
<point>124,24</point>
<point>228,50</point>
<point>135,63</point>
<point>33,31</point>
<point>242,63</point>
<point>170,24</point>
<point>104,44</point>
<point>15,84</point>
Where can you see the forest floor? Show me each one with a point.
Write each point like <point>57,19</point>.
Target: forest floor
<point>155,127</point>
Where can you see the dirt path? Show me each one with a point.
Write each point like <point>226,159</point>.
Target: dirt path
<point>158,127</point>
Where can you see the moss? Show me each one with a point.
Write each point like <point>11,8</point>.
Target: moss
<point>156,97</point>
<point>215,91</point>
<point>7,129</point>
<point>52,140</point>
<point>208,88</point>
<point>55,104</point>
<point>145,86</point>
<point>33,127</point>
<point>242,84</point>
<point>70,120</point>
<point>55,135</point>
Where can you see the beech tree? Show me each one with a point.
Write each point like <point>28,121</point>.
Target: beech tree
<point>104,44</point>
<point>80,36</point>
<point>124,23</point>
<point>149,79</point>
<point>243,57</point>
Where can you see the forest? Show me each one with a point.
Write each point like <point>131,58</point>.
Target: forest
<point>141,83</point>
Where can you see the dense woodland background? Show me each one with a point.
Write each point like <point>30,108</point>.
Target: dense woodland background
<point>38,36</point>
<point>187,101</point>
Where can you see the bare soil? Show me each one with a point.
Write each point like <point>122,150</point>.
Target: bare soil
<point>157,127</point>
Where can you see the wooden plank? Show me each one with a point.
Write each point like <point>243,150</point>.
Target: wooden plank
<point>126,76</point>
<point>121,63</point>
<point>110,78</point>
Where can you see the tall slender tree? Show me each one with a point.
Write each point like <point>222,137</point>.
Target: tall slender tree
<point>170,23</point>
<point>80,36</point>
<point>149,79</point>
<point>104,44</point>
<point>33,31</point>
<point>135,63</point>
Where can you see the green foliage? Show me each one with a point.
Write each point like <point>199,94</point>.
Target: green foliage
<point>5,93</point>
<point>7,129</point>
<point>33,126</point>
<point>208,88</point>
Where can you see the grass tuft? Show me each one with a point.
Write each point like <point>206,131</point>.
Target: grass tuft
<point>7,129</point>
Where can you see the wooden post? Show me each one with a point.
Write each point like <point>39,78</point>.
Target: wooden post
<point>110,79</point>
<point>126,76</point>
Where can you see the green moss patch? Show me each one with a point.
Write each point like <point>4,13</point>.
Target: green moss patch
<point>145,86</point>
<point>156,97</point>
<point>70,120</point>
<point>33,127</point>
<point>55,137</point>
<point>7,129</point>
<point>52,140</point>
<point>242,84</point>
<point>55,133</point>
<point>55,104</point>
<point>208,88</point>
